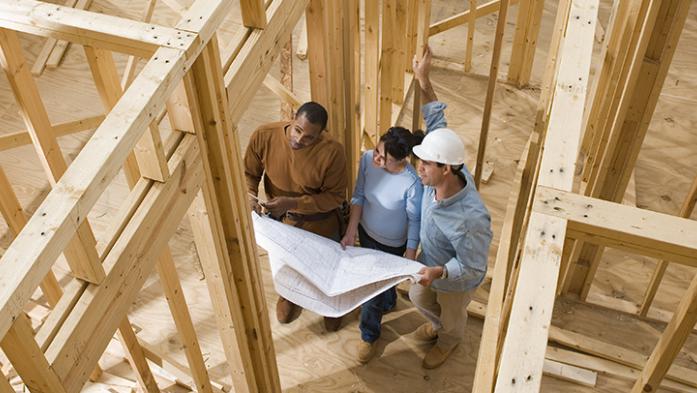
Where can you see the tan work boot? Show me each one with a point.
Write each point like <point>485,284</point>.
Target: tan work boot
<point>366,351</point>
<point>425,333</point>
<point>287,311</point>
<point>332,324</point>
<point>436,356</point>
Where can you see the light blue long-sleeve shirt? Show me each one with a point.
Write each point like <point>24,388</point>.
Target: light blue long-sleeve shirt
<point>391,203</point>
<point>455,232</point>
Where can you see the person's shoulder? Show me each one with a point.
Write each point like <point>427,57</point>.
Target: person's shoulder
<point>412,177</point>
<point>331,146</point>
<point>476,211</point>
<point>270,128</point>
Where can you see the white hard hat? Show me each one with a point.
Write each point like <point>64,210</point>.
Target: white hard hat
<point>443,146</point>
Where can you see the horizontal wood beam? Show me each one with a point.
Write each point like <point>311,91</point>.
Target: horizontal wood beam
<point>620,226</point>
<point>616,353</point>
<point>90,28</point>
<point>608,367</point>
<point>463,17</point>
<point>22,138</point>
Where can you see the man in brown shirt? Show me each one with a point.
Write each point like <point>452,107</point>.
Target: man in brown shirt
<point>304,173</point>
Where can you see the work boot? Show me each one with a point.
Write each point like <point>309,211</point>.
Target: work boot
<point>436,356</point>
<point>287,311</point>
<point>332,324</point>
<point>366,351</point>
<point>425,333</point>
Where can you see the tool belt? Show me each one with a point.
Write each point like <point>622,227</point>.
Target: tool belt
<point>341,213</point>
<point>301,218</point>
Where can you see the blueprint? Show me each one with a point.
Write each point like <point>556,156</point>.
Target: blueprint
<point>316,273</point>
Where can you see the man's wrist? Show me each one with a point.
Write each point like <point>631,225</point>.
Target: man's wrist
<point>444,274</point>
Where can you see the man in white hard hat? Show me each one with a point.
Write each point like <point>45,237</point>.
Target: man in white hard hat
<point>455,230</point>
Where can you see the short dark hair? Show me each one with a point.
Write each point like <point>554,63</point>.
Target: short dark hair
<point>399,141</point>
<point>313,112</point>
<point>456,170</point>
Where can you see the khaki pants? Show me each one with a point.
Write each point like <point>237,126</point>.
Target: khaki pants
<point>447,311</point>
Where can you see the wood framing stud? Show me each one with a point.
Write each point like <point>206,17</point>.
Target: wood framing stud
<point>526,339</point>
<point>491,87</point>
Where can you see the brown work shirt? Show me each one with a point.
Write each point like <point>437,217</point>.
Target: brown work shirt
<point>316,175</point>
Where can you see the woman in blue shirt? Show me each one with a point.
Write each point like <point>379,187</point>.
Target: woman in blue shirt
<point>386,215</point>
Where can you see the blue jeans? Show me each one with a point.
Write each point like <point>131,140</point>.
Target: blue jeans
<point>372,310</point>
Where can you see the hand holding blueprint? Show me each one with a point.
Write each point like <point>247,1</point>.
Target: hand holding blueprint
<point>317,274</point>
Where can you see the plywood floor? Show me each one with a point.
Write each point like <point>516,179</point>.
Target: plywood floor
<point>312,360</point>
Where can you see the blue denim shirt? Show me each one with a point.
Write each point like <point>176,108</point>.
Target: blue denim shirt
<point>455,232</point>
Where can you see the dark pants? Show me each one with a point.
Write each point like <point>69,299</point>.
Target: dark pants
<point>372,310</point>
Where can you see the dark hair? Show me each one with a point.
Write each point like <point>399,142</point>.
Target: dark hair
<point>456,170</point>
<point>314,112</point>
<point>399,141</point>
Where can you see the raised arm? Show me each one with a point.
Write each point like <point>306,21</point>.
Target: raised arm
<point>432,109</point>
<point>422,68</point>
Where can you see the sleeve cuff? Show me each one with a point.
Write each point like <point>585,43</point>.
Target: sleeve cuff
<point>454,269</point>
<point>412,243</point>
<point>357,201</point>
<point>433,106</point>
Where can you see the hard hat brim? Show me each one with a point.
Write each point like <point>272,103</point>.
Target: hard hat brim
<point>420,152</point>
<point>424,155</point>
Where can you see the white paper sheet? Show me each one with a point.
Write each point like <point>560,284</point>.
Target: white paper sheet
<point>317,274</point>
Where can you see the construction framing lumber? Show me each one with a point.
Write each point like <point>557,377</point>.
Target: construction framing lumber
<point>253,13</point>
<point>259,51</point>
<point>61,46</point>
<point>422,34</point>
<point>387,59</point>
<point>463,17</point>
<point>88,28</point>
<point>471,24</point>
<point>130,70</point>
<point>22,138</point>
<point>616,353</point>
<point>372,69</point>
<point>78,331</point>
<point>524,346</point>
<point>620,226</point>
<point>81,254</point>
<point>525,41</point>
<point>685,211</point>
<point>608,367</point>
<point>27,358</point>
<point>14,216</point>
<point>490,90</point>
<point>32,253</point>
<point>350,84</point>
<point>671,341</point>
<point>489,348</point>
<point>149,151</point>
<point>661,31</point>
<point>317,51</point>
<point>72,354</point>
<point>286,79</point>
<point>226,202</point>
